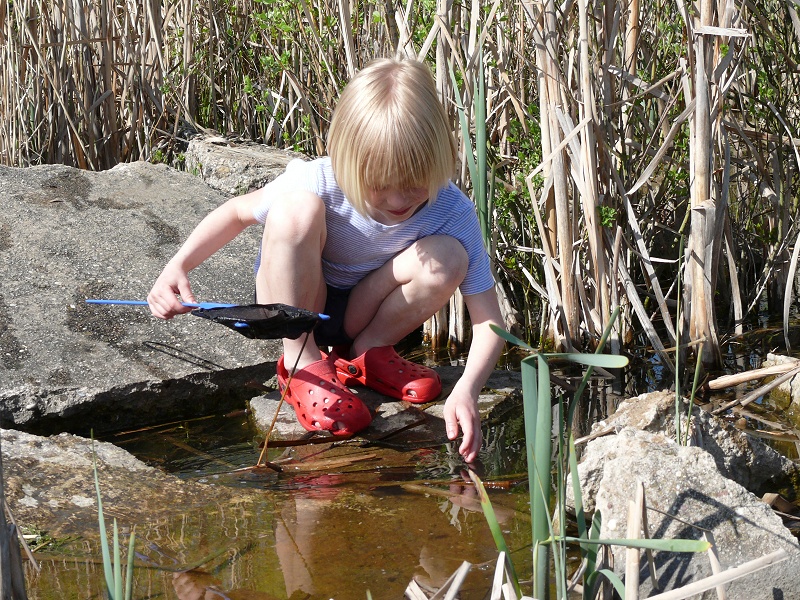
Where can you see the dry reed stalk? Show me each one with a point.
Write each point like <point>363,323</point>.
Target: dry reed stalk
<point>713,559</point>
<point>737,378</point>
<point>93,83</point>
<point>727,576</point>
<point>635,511</point>
<point>759,392</point>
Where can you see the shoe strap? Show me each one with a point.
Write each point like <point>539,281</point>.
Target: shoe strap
<point>345,366</point>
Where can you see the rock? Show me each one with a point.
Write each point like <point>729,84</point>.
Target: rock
<point>234,166</point>
<point>67,235</point>
<point>738,456</point>
<point>407,425</point>
<point>685,496</point>
<point>49,485</point>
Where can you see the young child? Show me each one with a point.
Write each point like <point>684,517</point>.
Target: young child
<point>374,235</point>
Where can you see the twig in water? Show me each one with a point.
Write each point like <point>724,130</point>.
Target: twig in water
<point>757,393</point>
<point>280,403</point>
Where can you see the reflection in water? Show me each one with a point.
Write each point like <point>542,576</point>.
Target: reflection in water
<point>333,536</point>
<point>199,585</point>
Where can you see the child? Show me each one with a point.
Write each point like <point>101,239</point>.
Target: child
<point>374,235</point>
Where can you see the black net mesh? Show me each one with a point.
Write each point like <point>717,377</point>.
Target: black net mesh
<point>263,321</point>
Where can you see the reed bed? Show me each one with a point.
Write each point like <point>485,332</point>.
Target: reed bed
<point>613,149</point>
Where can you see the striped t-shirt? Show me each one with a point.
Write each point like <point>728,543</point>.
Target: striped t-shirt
<point>356,244</point>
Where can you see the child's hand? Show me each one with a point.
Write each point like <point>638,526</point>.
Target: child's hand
<point>164,298</point>
<point>461,411</point>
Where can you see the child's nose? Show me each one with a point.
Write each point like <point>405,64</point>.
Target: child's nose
<point>396,199</point>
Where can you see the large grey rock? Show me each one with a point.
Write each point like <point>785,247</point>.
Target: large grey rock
<point>49,485</point>
<point>738,456</point>
<point>685,495</point>
<point>67,235</point>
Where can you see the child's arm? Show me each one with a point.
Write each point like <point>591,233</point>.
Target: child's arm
<point>461,408</point>
<point>217,229</point>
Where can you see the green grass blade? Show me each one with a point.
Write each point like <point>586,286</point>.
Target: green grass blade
<point>663,545</point>
<point>559,548</point>
<point>479,184</point>
<point>511,338</point>
<point>542,447</point>
<point>494,527</point>
<point>619,587</point>
<point>678,345</point>
<point>117,565</point>
<point>107,570</point>
<point>129,572</point>
<point>607,361</point>
<point>580,516</point>
<point>462,120</point>
<point>697,369</point>
<point>591,557</point>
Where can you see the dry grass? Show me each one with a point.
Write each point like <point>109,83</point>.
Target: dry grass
<point>612,129</point>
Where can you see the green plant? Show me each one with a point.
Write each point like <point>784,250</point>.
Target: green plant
<point>549,544</point>
<point>112,569</point>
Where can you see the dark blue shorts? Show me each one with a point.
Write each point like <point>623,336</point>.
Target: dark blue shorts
<point>331,332</point>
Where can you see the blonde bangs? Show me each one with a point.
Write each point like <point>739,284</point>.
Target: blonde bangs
<point>390,130</point>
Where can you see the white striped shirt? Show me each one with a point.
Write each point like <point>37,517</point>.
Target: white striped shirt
<point>356,244</point>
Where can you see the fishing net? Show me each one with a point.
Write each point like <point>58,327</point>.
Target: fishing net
<point>263,321</point>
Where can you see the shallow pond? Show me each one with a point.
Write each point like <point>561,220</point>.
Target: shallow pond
<point>343,521</point>
<point>351,519</point>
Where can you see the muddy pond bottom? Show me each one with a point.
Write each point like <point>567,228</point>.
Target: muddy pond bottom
<point>339,521</point>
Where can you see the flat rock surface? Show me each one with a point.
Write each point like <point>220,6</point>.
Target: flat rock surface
<point>397,423</point>
<point>67,235</point>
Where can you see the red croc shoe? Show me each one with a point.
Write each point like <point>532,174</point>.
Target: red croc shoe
<point>321,402</point>
<point>384,371</point>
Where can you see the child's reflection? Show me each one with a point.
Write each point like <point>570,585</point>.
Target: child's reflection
<point>314,544</point>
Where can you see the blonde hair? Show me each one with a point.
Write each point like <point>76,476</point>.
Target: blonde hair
<point>389,129</point>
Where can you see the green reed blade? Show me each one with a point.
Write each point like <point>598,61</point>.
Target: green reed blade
<point>607,361</point>
<point>580,516</point>
<point>512,338</point>
<point>538,424</point>
<point>107,570</point>
<point>591,557</point>
<point>494,527</point>
<point>619,587</point>
<point>117,565</point>
<point>129,572</point>
<point>658,544</point>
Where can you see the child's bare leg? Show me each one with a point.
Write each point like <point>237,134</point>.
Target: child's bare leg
<point>393,301</point>
<point>291,267</point>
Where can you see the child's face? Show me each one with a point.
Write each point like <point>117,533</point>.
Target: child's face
<point>391,205</point>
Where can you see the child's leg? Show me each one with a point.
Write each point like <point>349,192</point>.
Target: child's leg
<point>394,300</point>
<point>291,266</point>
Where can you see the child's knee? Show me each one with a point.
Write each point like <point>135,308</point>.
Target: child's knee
<point>444,258</point>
